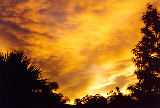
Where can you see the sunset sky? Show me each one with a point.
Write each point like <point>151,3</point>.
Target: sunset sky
<point>84,45</point>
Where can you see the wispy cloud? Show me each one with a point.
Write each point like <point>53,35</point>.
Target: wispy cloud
<point>80,44</point>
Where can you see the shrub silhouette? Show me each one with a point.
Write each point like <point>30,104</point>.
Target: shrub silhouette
<point>22,84</point>
<point>118,98</point>
<point>88,99</point>
<point>147,59</point>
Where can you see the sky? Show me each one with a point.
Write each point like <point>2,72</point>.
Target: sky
<point>84,45</point>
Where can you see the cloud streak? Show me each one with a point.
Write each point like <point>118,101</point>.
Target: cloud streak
<point>83,45</point>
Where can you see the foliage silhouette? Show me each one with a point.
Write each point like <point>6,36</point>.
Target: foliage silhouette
<point>88,99</point>
<point>22,84</point>
<point>118,98</point>
<point>147,59</point>
<point>115,99</point>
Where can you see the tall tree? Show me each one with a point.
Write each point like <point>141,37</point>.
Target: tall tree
<point>147,56</point>
<point>21,82</point>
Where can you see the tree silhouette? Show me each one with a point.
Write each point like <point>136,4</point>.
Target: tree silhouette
<point>115,99</point>
<point>91,100</point>
<point>118,98</point>
<point>147,57</point>
<point>22,84</point>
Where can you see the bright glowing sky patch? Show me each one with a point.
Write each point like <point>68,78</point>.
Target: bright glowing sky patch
<point>84,45</point>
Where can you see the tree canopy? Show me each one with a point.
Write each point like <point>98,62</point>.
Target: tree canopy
<point>89,99</point>
<point>147,57</point>
<point>22,83</point>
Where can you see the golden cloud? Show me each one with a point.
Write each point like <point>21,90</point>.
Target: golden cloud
<point>83,45</point>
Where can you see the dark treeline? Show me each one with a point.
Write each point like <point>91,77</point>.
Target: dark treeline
<point>22,84</point>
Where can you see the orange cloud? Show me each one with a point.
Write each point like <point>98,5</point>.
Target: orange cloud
<point>83,45</point>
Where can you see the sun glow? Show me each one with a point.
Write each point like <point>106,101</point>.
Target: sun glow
<point>84,45</point>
